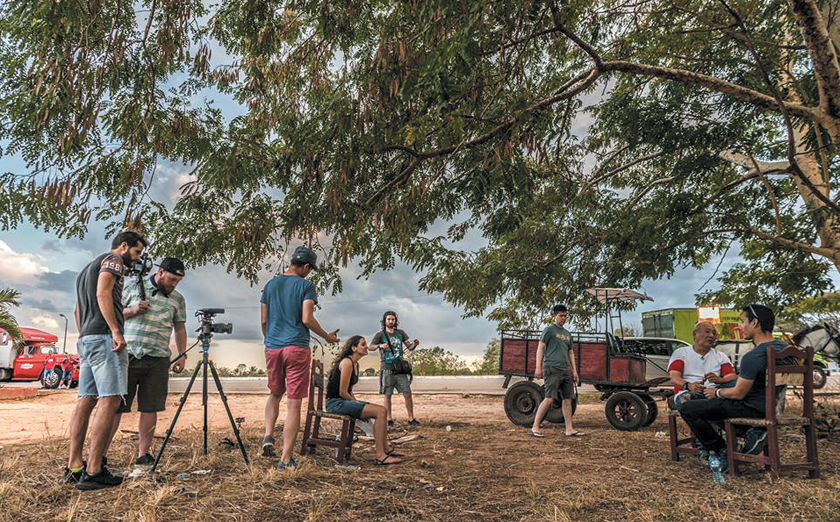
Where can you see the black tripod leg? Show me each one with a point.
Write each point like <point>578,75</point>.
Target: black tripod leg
<point>175,419</point>
<point>229,414</point>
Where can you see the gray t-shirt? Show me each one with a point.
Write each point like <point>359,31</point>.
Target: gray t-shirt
<point>91,318</point>
<point>558,344</point>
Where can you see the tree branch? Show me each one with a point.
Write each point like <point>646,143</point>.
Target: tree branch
<point>823,56</point>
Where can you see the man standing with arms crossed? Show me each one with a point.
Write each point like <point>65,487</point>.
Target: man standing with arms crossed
<point>287,315</point>
<point>150,319</point>
<point>556,364</point>
<point>103,359</point>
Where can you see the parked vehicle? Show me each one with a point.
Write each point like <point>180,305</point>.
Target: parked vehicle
<point>27,360</point>
<point>656,350</point>
<point>678,323</point>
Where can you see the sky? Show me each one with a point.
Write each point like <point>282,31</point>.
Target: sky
<point>43,268</point>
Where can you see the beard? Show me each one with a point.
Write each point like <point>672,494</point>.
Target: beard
<point>127,261</point>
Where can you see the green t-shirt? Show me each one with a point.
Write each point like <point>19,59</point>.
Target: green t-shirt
<point>149,333</point>
<point>558,343</point>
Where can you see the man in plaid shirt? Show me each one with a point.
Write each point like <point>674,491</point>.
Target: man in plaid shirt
<point>148,327</point>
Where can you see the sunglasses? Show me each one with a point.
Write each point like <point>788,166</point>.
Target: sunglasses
<point>755,315</point>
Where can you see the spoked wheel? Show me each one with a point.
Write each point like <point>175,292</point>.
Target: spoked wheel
<point>51,381</point>
<point>555,413</point>
<point>521,402</point>
<point>626,411</point>
<point>819,377</point>
<point>652,409</point>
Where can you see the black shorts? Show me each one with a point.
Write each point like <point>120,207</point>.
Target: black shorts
<point>559,383</point>
<point>148,379</point>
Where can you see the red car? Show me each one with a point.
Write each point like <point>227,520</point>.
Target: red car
<point>27,361</point>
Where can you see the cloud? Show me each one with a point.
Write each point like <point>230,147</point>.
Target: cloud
<point>44,304</point>
<point>19,267</point>
<point>64,281</point>
<point>45,322</point>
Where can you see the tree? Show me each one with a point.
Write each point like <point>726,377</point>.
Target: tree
<point>489,364</point>
<point>366,123</point>
<point>9,297</point>
<point>821,309</point>
<point>437,361</point>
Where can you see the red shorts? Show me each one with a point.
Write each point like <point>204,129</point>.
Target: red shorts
<point>288,371</point>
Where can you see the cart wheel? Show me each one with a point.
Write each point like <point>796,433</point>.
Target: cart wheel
<point>555,413</point>
<point>521,402</point>
<point>626,411</point>
<point>652,409</point>
<point>819,377</point>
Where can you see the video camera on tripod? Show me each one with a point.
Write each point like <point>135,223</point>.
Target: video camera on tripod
<point>206,315</point>
<point>206,331</point>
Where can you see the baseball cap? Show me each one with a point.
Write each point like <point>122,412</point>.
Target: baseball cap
<point>173,266</point>
<point>306,255</point>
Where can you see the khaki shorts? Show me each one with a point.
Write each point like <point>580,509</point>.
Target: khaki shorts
<point>389,381</point>
<point>559,383</point>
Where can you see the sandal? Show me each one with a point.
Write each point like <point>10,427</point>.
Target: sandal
<point>537,434</point>
<point>576,434</point>
<point>395,453</point>
<point>385,462</point>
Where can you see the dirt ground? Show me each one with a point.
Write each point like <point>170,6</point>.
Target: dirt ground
<point>480,467</point>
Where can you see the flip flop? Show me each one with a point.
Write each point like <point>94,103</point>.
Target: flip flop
<point>537,434</point>
<point>576,434</point>
<point>384,462</point>
<point>395,453</point>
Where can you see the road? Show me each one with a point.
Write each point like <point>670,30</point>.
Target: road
<point>483,384</point>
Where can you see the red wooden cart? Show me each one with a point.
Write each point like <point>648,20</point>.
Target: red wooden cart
<point>601,361</point>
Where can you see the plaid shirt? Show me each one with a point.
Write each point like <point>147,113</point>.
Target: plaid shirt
<point>149,333</point>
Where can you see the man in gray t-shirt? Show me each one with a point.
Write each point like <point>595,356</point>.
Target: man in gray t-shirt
<point>556,365</point>
<point>103,361</point>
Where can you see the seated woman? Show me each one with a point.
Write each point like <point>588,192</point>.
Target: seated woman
<point>340,398</point>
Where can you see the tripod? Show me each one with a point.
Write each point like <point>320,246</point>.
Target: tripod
<point>206,330</point>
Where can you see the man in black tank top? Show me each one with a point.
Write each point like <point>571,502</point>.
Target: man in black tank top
<point>103,359</point>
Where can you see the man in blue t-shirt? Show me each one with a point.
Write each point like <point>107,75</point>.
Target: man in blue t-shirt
<point>287,316</point>
<point>747,398</point>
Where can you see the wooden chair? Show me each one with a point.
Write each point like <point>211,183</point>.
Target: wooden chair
<point>679,446</point>
<point>779,374</point>
<point>315,412</point>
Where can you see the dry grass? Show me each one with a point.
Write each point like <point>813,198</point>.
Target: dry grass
<point>477,471</point>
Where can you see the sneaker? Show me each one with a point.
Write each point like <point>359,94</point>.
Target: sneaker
<point>267,449</point>
<point>754,441</point>
<point>103,479</point>
<point>287,465</point>
<point>73,477</point>
<point>145,460</point>
<point>413,422</point>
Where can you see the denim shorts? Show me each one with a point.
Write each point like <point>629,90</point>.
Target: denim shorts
<point>102,371</point>
<point>345,407</point>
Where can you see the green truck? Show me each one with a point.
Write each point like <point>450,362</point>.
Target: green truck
<point>678,323</point>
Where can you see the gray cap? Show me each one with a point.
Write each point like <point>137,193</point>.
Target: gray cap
<point>306,255</point>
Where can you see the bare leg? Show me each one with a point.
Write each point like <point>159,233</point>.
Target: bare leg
<point>388,407</point>
<point>290,429</point>
<point>78,429</point>
<point>103,423</point>
<point>409,405</point>
<point>272,411</point>
<point>147,424</point>
<point>380,429</point>
<point>567,416</point>
<point>115,426</point>
<point>541,411</point>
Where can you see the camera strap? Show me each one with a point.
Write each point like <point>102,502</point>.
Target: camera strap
<point>141,286</point>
